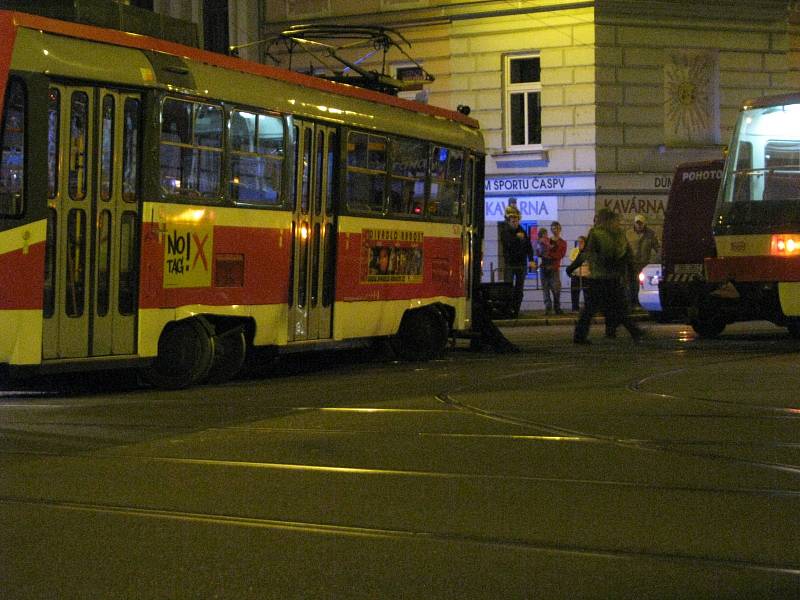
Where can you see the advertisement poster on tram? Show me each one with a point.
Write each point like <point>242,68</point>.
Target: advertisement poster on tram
<point>391,256</point>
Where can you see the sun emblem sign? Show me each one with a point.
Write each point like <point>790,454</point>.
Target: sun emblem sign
<point>691,98</point>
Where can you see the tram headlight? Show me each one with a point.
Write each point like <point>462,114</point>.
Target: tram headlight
<point>785,244</point>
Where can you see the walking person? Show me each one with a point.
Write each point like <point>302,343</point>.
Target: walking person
<point>517,255</point>
<point>609,256</point>
<point>645,250</point>
<point>578,276</point>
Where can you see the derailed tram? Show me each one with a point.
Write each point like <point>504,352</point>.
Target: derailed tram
<point>173,208</point>
<point>756,271</point>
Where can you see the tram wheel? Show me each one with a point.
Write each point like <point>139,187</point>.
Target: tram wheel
<point>794,328</point>
<point>709,327</point>
<point>230,349</point>
<point>422,335</point>
<point>185,352</point>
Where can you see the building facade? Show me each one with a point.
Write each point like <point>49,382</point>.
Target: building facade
<point>583,104</point>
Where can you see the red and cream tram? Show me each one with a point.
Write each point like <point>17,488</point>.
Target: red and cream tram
<point>173,207</point>
<point>756,271</point>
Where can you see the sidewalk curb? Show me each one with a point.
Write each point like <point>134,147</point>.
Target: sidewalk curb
<point>539,318</point>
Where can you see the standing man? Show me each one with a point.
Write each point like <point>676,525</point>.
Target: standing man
<point>609,256</point>
<point>517,255</point>
<point>646,247</point>
<point>551,280</point>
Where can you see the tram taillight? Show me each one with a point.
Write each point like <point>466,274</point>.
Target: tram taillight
<point>785,244</point>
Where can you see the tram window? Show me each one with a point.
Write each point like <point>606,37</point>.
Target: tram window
<point>366,172</point>
<point>103,261</point>
<point>127,263</point>
<point>107,148</point>
<point>738,188</point>
<point>130,151</point>
<point>78,142</point>
<point>76,257</point>
<point>469,200</point>
<point>50,265</point>
<point>257,145</point>
<point>208,136</point>
<point>407,187</point>
<point>333,143</point>
<point>53,126</point>
<point>318,191</point>
<point>782,170</point>
<point>191,149</point>
<point>306,166</point>
<point>447,178</point>
<point>12,163</point>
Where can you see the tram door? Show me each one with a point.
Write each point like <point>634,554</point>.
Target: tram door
<point>312,290</point>
<point>91,260</point>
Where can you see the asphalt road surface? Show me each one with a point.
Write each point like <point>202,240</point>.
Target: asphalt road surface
<point>666,469</point>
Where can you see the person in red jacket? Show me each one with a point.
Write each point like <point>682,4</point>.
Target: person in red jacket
<point>551,269</point>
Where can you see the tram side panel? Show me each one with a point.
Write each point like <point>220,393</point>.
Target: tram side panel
<point>228,262</point>
<point>386,268</point>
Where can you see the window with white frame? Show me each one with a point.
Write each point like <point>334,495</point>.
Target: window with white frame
<point>523,102</point>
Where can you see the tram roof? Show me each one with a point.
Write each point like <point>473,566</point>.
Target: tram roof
<point>774,100</point>
<point>10,21</point>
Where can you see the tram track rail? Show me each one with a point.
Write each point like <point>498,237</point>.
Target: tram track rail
<point>452,402</point>
<point>396,534</point>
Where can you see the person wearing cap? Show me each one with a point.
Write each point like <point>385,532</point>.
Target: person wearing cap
<point>517,254</point>
<point>645,247</point>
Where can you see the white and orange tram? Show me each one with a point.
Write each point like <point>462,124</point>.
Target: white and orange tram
<point>173,207</point>
<point>756,271</point>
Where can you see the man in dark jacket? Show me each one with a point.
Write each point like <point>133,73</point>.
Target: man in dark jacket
<point>517,254</point>
<point>609,256</point>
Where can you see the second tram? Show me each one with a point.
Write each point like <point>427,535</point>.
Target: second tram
<point>756,271</point>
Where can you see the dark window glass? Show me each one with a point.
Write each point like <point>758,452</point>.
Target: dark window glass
<point>53,126</point>
<point>12,163</point>
<point>107,148</point>
<point>130,151</point>
<point>534,122</point>
<point>257,145</point>
<point>333,142</point>
<point>50,265</point>
<point>447,181</point>
<point>525,70</point>
<point>318,191</point>
<point>517,119</point>
<point>191,149</point>
<point>127,263</point>
<point>78,143</point>
<point>76,262</point>
<point>103,261</point>
<point>366,171</point>
<point>306,166</point>
<point>409,170</point>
